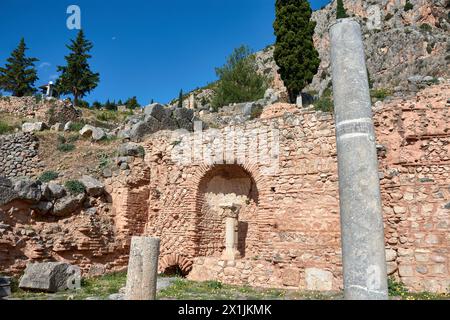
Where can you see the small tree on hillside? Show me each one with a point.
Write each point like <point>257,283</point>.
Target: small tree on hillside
<point>295,53</point>
<point>132,103</point>
<point>19,74</point>
<point>76,77</point>
<point>239,80</point>
<point>180,99</point>
<point>340,11</point>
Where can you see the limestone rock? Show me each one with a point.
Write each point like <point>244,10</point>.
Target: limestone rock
<point>130,149</point>
<point>47,277</point>
<point>68,204</point>
<point>155,110</point>
<point>57,127</point>
<point>28,190</point>
<point>89,131</point>
<point>68,125</point>
<point>33,126</point>
<point>7,192</point>
<point>318,279</point>
<point>57,191</point>
<point>93,187</point>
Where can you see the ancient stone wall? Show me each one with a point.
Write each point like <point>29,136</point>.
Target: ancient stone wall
<point>50,111</point>
<point>18,155</point>
<point>291,234</point>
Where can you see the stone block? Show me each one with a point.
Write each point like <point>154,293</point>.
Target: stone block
<point>46,277</point>
<point>291,277</point>
<point>318,279</point>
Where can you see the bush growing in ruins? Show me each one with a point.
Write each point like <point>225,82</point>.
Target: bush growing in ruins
<point>341,12</point>
<point>48,176</point>
<point>19,74</point>
<point>325,102</point>
<point>239,80</point>
<point>408,6</point>
<point>295,53</point>
<point>380,94</point>
<point>74,187</point>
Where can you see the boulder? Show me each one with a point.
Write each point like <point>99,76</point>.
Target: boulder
<point>44,207</point>
<point>130,149</point>
<point>271,96</point>
<point>93,187</point>
<point>7,192</point>
<point>57,191</point>
<point>28,190</point>
<point>147,126</point>
<point>68,204</point>
<point>57,127</point>
<point>33,126</point>
<point>47,277</point>
<point>155,110</point>
<point>67,126</point>
<point>89,131</point>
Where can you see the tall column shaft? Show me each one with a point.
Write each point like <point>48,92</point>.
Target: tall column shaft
<point>363,247</point>
<point>142,269</point>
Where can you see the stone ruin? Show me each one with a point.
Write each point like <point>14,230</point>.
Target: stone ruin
<point>288,230</point>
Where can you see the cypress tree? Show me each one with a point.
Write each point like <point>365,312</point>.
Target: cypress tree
<point>295,53</point>
<point>19,74</point>
<point>180,99</point>
<point>76,77</point>
<point>340,11</point>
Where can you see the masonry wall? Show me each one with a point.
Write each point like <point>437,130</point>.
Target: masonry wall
<point>18,155</point>
<point>294,228</point>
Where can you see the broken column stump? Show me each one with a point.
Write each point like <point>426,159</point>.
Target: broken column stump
<point>142,269</point>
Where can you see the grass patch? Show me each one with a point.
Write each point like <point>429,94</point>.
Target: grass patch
<point>5,128</point>
<point>48,176</point>
<point>107,115</point>
<point>380,94</point>
<point>75,187</point>
<point>76,126</point>
<point>325,102</point>
<point>66,147</point>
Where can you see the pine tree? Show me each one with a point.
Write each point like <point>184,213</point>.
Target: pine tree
<point>19,74</point>
<point>239,80</point>
<point>180,99</point>
<point>76,77</point>
<point>132,103</point>
<point>295,53</point>
<point>340,11</point>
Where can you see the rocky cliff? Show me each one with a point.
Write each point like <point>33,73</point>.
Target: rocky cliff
<point>402,39</point>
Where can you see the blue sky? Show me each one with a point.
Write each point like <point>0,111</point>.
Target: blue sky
<point>145,48</point>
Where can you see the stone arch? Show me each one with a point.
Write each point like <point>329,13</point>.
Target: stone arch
<point>170,263</point>
<point>226,182</point>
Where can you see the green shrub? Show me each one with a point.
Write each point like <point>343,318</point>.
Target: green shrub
<point>74,187</point>
<point>239,80</point>
<point>66,147</point>
<point>426,27</point>
<point>5,128</point>
<point>408,6</point>
<point>76,126</point>
<point>324,104</point>
<point>380,94</point>
<point>48,176</point>
<point>141,151</point>
<point>396,288</point>
<point>107,115</point>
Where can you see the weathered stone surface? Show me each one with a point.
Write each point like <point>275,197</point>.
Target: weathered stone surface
<point>56,190</point>
<point>28,190</point>
<point>7,192</point>
<point>33,127</point>
<point>18,155</point>
<point>96,134</point>
<point>94,187</point>
<point>130,149</point>
<point>68,125</point>
<point>155,110</point>
<point>68,204</point>
<point>318,280</point>
<point>57,127</point>
<point>5,287</point>
<point>46,277</point>
<point>142,269</point>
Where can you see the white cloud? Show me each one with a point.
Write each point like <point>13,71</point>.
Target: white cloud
<point>44,65</point>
